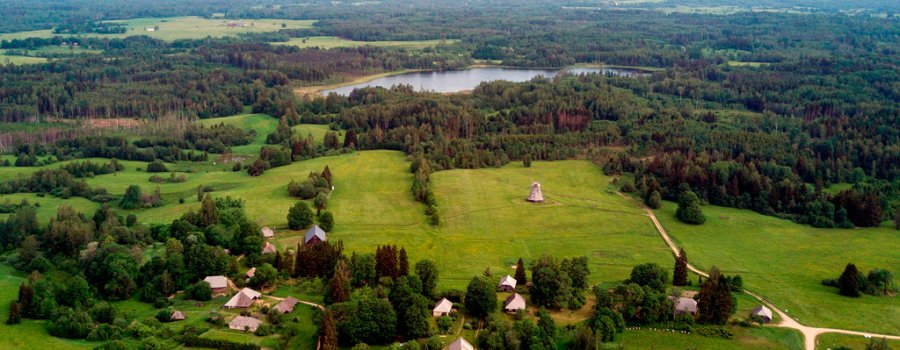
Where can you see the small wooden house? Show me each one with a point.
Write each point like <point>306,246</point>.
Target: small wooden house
<point>269,248</point>
<point>536,195</point>
<point>243,299</point>
<point>514,303</point>
<point>460,344</point>
<point>218,284</point>
<point>507,284</point>
<point>244,323</point>
<point>267,233</point>
<point>251,272</point>
<point>315,235</point>
<point>177,316</point>
<point>761,314</point>
<point>684,306</point>
<point>442,308</point>
<point>287,305</point>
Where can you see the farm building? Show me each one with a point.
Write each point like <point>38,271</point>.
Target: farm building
<point>287,305</point>
<point>243,323</point>
<point>762,314</point>
<point>514,303</point>
<point>242,299</point>
<point>177,316</point>
<point>507,284</point>
<point>460,344</point>
<point>267,233</point>
<point>442,308</point>
<point>536,195</point>
<point>315,235</point>
<point>268,248</point>
<point>251,272</point>
<point>218,284</point>
<point>684,306</point>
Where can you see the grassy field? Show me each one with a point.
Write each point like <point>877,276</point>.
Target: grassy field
<point>785,263</point>
<point>329,42</point>
<point>488,223</point>
<point>19,60</point>
<point>744,338</point>
<point>262,123</point>
<point>174,28</point>
<point>30,332</point>
<point>829,341</point>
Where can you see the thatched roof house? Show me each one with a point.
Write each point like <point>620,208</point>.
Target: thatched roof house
<point>269,248</point>
<point>762,314</point>
<point>460,344</point>
<point>514,303</point>
<point>507,284</point>
<point>218,284</point>
<point>315,235</point>
<point>244,323</point>
<point>267,233</point>
<point>287,305</point>
<point>243,299</point>
<point>442,308</point>
<point>177,316</point>
<point>251,272</point>
<point>536,196</point>
<point>684,305</point>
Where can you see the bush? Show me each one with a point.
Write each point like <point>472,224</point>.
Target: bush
<point>299,216</point>
<point>689,210</point>
<point>263,330</point>
<point>627,186</point>
<point>157,166</point>
<point>200,291</point>
<point>39,264</point>
<point>326,221</point>
<point>444,324</point>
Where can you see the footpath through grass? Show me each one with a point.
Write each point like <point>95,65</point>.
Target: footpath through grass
<point>785,262</point>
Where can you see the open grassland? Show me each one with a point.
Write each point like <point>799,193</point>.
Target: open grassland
<point>174,28</point>
<point>833,340</point>
<point>330,42</point>
<point>488,223</point>
<point>318,132</point>
<point>262,123</point>
<point>744,338</point>
<point>785,263</point>
<point>19,60</point>
<point>29,333</point>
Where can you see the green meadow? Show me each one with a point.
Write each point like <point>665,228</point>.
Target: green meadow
<point>829,341</point>
<point>330,42</point>
<point>785,263</point>
<point>174,28</point>
<point>744,338</point>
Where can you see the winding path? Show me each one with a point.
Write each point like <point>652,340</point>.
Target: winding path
<point>809,333</point>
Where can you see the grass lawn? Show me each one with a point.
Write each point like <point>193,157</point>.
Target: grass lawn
<point>30,332</point>
<point>832,340</point>
<point>19,60</point>
<point>486,222</point>
<point>785,263</point>
<point>317,130</point>
<point>744,338</point>
<point>262,123</point>
<point>174,28</point>
<point>329,42</point>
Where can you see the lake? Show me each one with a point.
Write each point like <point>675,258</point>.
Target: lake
<point>468,79</point>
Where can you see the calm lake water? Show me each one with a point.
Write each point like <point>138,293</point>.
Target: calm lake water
<point>468,79</point>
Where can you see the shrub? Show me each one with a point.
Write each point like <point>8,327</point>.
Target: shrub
<point>157,166</point>
<point>200,291</point>
<point>444,323</point>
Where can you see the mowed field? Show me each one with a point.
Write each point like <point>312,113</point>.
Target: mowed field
<point>330,42</point>
<point>785,263</point>
<point>174,28</point>
<point>488,223</point>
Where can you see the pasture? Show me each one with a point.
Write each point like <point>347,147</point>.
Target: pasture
<point>785,262</point>
<point>174,28</point>
<point>330,42</point>
<point>832,340</point>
